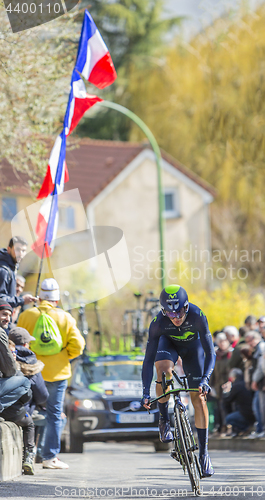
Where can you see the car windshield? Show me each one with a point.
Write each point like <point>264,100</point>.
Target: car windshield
<point>110,370</point>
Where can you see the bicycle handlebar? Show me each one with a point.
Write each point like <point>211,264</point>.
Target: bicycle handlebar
<point>173,391</point>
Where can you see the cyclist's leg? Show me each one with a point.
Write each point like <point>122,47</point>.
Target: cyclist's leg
<point>166,357</point>
<point>193,365</point>
<point>165,360</point>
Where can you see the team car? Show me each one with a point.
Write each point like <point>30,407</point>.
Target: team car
<point>102,403</point>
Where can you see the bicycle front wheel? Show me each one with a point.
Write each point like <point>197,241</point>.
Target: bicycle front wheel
<point>187,445</point>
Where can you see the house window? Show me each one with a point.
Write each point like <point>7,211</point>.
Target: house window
<point>9,208</point>
<point>171,203</point>
<point>67,217</point>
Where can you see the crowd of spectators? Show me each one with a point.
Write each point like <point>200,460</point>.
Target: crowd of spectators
<point>32,386</point>
<point>237,398</point>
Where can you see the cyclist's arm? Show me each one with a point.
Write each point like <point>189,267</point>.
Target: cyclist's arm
<point>150,354</point>
<point>208,347</point>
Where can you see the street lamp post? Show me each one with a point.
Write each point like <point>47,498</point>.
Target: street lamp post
<point>155,147</point>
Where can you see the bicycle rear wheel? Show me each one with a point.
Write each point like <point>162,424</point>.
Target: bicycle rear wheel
<point>187,451</point>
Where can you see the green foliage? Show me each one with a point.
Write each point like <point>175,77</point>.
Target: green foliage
<point>35,71</point>
<point>205,106</point>
<point>132,29</point>
<point>228,305</point>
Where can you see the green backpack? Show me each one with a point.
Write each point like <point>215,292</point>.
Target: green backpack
<point>48,337</point>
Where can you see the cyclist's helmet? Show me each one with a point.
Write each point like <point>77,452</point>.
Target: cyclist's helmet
<point>174,301</point>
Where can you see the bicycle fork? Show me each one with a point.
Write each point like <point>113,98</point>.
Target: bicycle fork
<point>176,453</point>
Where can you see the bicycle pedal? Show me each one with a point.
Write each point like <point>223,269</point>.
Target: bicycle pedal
<point>174,454</point>
<point>193,448</point>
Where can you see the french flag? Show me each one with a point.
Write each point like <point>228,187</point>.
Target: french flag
<point>95,65</point>
<point>93,58</point>
<point>46,227</point>
<point>47,221</point>
<point>56,168</point>
<point>79,102</point>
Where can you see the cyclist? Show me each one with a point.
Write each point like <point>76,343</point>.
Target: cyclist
<point>181,329</point>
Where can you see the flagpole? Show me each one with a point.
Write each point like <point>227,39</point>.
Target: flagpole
<point>156,149</point>
<point>43,250</point>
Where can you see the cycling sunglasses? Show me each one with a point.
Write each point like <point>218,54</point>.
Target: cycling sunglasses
<point>176,314</point>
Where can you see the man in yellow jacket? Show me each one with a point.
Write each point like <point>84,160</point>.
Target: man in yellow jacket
<point>57,368</point>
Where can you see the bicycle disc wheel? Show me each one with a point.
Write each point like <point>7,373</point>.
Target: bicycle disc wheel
<point>187,451</point>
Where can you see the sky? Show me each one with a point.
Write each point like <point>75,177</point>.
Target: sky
<point>201,13</point>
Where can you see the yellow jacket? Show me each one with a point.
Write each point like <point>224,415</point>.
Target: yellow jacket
<point>57,366</point>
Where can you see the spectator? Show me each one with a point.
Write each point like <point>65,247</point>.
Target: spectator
<point>258,384</point>
<point>232,335</point>
<point>236,360</point>
<point>246,353</point>
<point>251,322</point>
<point>254,340</point>
<point>17,413</point>
<point>235,392</point>
<point>220,376</point>
<point>261,326</point>
<point>57,367</point>
<point>20,285</point>
<point>215,333</point>
<point>10,259</point>
<point>30,366</point>
<point>12,388</point>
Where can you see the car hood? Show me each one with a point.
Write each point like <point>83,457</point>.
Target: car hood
<point>112,388</point>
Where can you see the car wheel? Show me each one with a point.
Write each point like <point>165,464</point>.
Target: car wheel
<point>161,446</point>
<point>63,447</point>
<point>76,443</point>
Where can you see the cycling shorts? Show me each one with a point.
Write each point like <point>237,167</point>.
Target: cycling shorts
<point>192,356</point>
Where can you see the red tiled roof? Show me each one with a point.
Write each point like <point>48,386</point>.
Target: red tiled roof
<point>12,181</point>
<point>92,165</point>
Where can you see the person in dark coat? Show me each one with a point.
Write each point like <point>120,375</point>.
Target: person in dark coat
<point>10,259</point>
<point>236,360</point>
<point>235,393</point>
<point>219,377</point>
<point>30,366</point>
<point>12,387</point>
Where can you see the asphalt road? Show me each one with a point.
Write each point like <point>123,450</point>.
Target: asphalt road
<point>134,470</point>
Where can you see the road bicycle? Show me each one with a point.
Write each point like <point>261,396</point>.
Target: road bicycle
<point>184,441</point>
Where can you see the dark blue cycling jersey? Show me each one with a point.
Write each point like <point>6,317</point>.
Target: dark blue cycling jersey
<point>192,341</point>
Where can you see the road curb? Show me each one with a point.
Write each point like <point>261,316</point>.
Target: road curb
<point>11,446</point>
<point>237,444</point>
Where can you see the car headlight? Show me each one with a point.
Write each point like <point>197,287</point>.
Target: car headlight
<point>93,404</point>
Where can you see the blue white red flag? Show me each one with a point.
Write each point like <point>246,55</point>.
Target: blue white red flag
<point>56,168</point>
<point>93,58</point>
<point>47,222</point>
<point>95,65</point>
<point>46,227</point>
<point>79,102</point>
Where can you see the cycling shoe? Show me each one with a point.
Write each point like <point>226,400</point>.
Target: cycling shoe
<point>206,466</point>
<point>165,434</point>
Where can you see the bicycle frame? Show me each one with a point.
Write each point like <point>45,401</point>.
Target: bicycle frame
<point>185,444</point>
